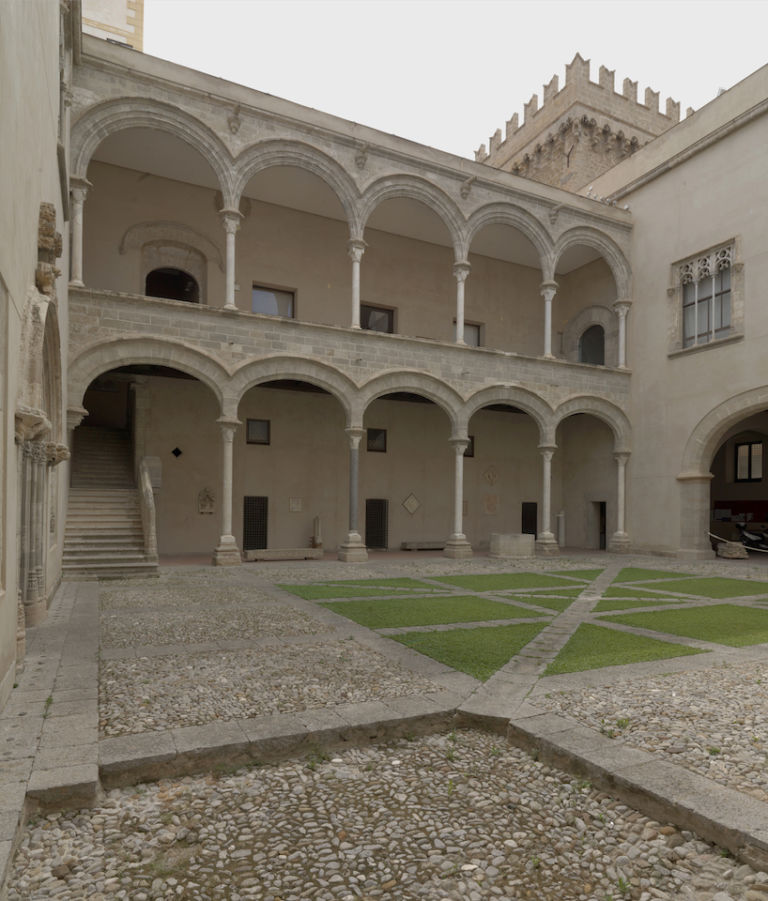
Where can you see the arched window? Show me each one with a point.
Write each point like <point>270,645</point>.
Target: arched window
<point>174,284</point>
<point>592,346</point>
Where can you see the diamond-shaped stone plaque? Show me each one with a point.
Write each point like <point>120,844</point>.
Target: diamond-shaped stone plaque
<point>411,503</point>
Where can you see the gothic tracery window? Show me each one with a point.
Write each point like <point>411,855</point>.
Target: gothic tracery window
<point>706,284</point>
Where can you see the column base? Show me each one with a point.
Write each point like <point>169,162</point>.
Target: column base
<point>547,545</point>
<point>227,553</point>
<point>353,550</point>
<point>458,548</point>
<point>35,612</point>
<point>618,543</point>
<point>230,307</point>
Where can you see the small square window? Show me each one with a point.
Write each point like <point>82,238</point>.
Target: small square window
<point>749,462</point>
<point>473,335</point>
<point>377,319</point>
<point>469,450</point>
<point>272,302</point>
<point>257,431</point>
<point>376,440</point>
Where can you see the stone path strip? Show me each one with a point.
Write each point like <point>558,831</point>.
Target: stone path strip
<point>59,764</point>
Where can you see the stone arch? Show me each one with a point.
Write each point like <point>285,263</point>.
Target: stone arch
<point>607,247</point>
<point>594,315</point>
<point>176,234</point>
<point>518,218</point>
<point>613,416</point>
<point>302,156</point>
<point>537,408</point>
<point>413,383</point>
<point>111,116</point>
<point>297,369</point>
<point>414,188</point>
<point>102,357</point>
<point>708,434</point>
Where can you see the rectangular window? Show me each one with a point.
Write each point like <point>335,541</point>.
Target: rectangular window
<point>257,431</point>
<point>749,462</point>
<point>473,336</point>
<point>376,440</point>
<point>706,283</point>
<point>377,319</point>
<point>272,301</point>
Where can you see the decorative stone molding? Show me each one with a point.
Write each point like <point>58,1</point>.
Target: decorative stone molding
<point>56,453</point>
<point>515,396</point>
<point>516,217</point>
<point>414,383</point>
<point>31,424</point>
<point>614,417</point>
<point>174,234</point>
<point>575,328</point>
<point>49,248</point>
<point>361,156</point>
<point>234,121</point>
<point>606,247</point>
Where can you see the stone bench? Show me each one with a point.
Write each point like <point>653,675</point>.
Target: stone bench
<point>285,553</point>
<point>422,545</point>
<point>512,545</point>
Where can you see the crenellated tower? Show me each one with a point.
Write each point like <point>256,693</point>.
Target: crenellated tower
<point>580,130</point>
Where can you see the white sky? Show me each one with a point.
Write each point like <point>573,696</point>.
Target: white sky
<point>448,73</point>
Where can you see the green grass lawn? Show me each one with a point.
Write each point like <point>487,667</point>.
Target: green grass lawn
<point>588,575</point>
<point>478,652</point>
<point>635,574</point>
<point>505,581</point>
<point>607,604</point>
<point>552,603</point>
<point>593,647</point>
<point>715,587</point>
<point>357,588</point>
<point>633,591</point>
<point>726,624</point>
<point>394,613</point>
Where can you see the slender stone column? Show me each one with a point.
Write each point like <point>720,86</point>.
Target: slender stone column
<point>33,590</point>
<point>457,546</point>
<point>694,516</point>
<point>356,249</point>
<point>546,543</point>
<point>622,308</point>
<point>79,190</point>
<point>619,541</point>
<point>231,221</point>
<point>548,291</point>
<point>352,549</point>
<point>227,553</point>
<point>461,271</point>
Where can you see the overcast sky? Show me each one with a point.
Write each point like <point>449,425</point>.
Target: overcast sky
<point>448,73</point>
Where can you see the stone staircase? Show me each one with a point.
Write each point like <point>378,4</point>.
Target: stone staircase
<point>104,536</point>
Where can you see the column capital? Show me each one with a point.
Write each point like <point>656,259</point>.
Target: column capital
<point>459,445</point>
<point>547,449</point>
<point>548,290</point>
<point>56,452</point>
<point>356,249</point>
<point>78,186</point>
<point>355,435</point>
<point>622,306</point>
<point>231,220</point>
<point>31,423</point>
<point>75,415</point>
<point>228,426</point>
<point>621,456</point>
<point>461,269</point>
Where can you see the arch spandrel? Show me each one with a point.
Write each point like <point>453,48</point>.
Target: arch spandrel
<point>515,396</point>
<point>283,152</point>
<point>100,358</point>
<point>710,431</point>
<point>412,187</point>
<point>518,218</point>
<point>112,116</point>
<point>606,247</point>
<point>411,382</point>
<point>614,417</point>
<point>298,369</point>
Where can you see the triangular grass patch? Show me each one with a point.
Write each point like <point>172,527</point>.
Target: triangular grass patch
<point>588,575</point>
<point>593,647</point>
<point>477,652</point>
<point>714,587</point>
<point>632,591</point>
<point>606,604</point>
<point>726,624</point>
<point>395,613</point>
<point>636,574</point>
<point>505,581</point>
<point>551,603</point>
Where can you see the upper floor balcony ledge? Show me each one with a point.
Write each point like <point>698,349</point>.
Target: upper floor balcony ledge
<point>132,328</point>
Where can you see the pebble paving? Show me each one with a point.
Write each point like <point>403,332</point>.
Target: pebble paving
<point>459,816</point>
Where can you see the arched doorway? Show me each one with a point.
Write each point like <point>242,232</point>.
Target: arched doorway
<point>172,284</point>
<point>592,346</point>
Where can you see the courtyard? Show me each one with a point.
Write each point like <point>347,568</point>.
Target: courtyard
<point>289,731</point>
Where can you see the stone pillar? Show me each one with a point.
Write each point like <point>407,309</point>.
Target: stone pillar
<point>34,491</point>
<point>622,308</point>
<point>546,543</point>
<point>619,541</point>
<point>352,550</point>
<point>356,249</point>
<point>79,190</point>
<point>457,546</point>
<point>227,553</point>
<point>694,516</point>
<point>231,221</point>
<point>461,271</point>
<point>548,291</point>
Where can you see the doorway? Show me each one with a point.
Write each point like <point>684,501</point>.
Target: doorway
<point>255,512</point>
<point>529,518</point>
<point>377,523</point>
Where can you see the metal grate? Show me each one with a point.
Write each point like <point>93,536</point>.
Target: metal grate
<point>376,522</point>
<point>255,523</point>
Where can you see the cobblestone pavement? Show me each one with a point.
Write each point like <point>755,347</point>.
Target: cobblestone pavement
<point>459,816</point>
<point>440,818</point>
